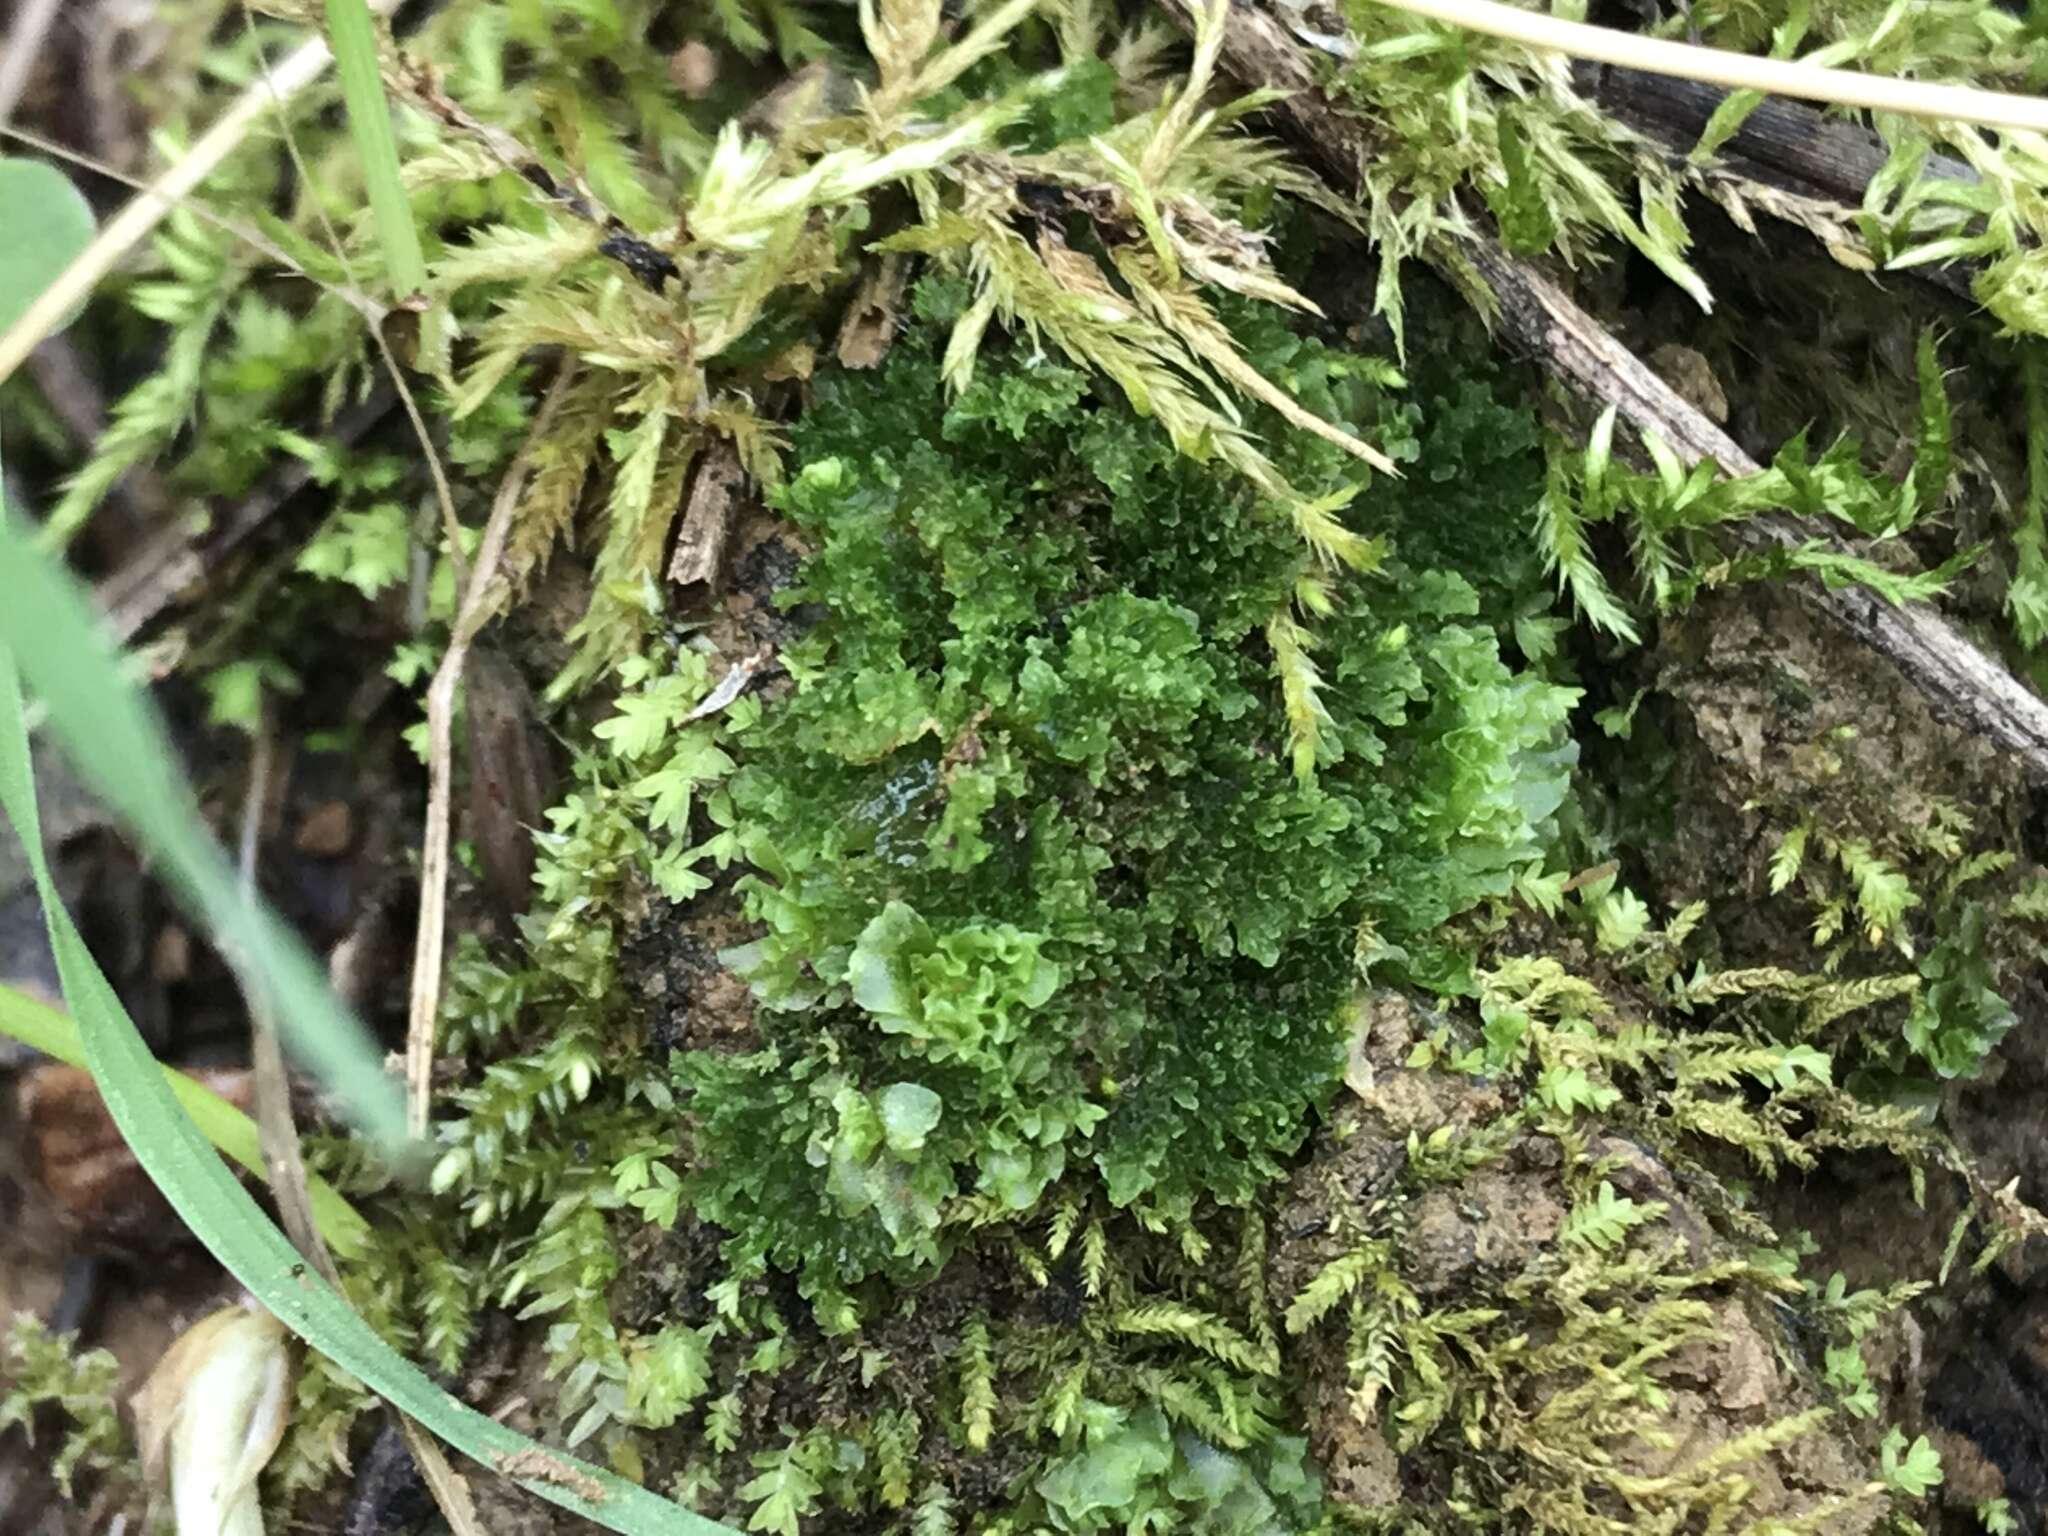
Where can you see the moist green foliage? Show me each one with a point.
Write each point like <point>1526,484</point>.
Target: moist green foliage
<point>1674,515</point>
<point>1133,1468</point>
<point>1041,890</point>
<point>1914,884</point>
<point>1449,113</point>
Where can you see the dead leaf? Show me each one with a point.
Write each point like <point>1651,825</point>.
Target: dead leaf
<point>510,778</point>
<point>327,830</point>
<point>212,1413</point>
<point>1358,1072</point>
<point>732,685</point>
<point>868,330</point>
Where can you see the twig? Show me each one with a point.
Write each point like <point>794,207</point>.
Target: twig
<point>1783,150</point>
<point>448,1487</point>
<point>144,212</point>
<point>1959,679</point>
<point>24,43</point>
<point>479,601</point>
<point>136,594</point>
<point>418,84</point>
<point>283,1162</point>
<point>1784,144</point>
<point>1541,320</point>
<point>1738,71</point>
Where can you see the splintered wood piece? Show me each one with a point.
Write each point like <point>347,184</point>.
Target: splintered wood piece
<point>871,319</point>
<point>699,556</point>
<point>1538,318</point>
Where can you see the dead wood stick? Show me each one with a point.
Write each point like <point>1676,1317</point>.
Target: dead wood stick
<point>1787,146</point>
<point>1959,679</point>
<point>284,1161</point>
<point>1784,144</point>
<point>481,597</point>
<point>1538,318</point>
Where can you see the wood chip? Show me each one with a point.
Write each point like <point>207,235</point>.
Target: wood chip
<point>699,558</point>
<point>869,329</point>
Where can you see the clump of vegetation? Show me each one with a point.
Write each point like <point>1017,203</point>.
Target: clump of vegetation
<point>1036,732</point>
<point>49,1385</point>
<point>1494,1286</point>
<point>1125,731</point>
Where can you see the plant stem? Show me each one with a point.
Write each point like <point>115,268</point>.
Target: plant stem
<point>1739,71</point>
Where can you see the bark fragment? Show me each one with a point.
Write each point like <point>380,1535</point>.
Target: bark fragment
<point>699,559</point>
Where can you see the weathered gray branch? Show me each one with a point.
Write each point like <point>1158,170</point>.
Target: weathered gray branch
<point>1537,317</point>
<point>1787,146</point>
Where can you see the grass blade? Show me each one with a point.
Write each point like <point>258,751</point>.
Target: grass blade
<point>353,36</point>
<point>111,733</point>
<point>49,223</point>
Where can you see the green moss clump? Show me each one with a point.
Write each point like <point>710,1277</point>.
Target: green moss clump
<point>1040,889</point>
<point>40,1370</point>
<point>1134,1468</point>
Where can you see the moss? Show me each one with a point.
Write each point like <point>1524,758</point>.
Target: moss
<point>1095,793</point>
<point>1052,963</point>
<point>1526,1257</point>
<point>1041,893</point>
<point>64,1398</point>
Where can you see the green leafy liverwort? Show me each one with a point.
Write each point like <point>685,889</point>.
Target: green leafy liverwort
<point>1041,893</point>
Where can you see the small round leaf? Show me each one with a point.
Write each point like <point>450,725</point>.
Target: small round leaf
<point>909,1113</point>
<point>48,223</point>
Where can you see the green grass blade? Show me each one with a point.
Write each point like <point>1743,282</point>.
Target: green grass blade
<point>353,36</point>
<point>223,1216</point>
<point>111,733</point>
<point>49,1030</point>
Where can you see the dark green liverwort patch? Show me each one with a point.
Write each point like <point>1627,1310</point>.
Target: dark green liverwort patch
<point>1043,895</point>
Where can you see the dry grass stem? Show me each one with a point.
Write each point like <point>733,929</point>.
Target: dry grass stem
<point>480,597</point>
<point>1737,71</point>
